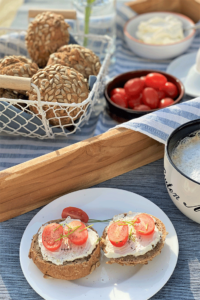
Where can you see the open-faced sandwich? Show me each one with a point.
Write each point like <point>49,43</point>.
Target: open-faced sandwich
<point>133,238</point>
<point>66,248</point>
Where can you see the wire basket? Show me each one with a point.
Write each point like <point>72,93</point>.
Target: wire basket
<point>49,119</point>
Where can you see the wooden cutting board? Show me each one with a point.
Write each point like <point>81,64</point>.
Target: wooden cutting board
<point>37,182</point>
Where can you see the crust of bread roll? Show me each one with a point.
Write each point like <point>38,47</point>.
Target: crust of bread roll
<point>131,260</point>
<point>69,270</point>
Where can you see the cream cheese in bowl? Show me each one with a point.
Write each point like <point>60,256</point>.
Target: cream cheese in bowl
<point>160,30</point>
<point>159,35</point>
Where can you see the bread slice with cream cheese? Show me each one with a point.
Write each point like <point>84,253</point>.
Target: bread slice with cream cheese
<point>70,270</point>
<point>131,260</point>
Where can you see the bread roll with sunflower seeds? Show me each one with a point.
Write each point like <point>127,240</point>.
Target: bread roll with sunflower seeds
<point>85,61</point>
<point>60,84</point>
<point>18,66</point>
<point>45,34</point>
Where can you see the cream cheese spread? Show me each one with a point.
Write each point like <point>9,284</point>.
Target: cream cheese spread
<point>160,31</point>
<point>68,251</point>
<point>138,245</point>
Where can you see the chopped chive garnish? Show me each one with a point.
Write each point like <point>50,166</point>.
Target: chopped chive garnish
<point>68,233</point>
<point>141,231</point>
<point>133,238</point>
<point>86,227</point>
<point>97,221</point>
<point>57,227</point>
<point>130,234</point>
<point>98,240</point>
<point>68,226</point>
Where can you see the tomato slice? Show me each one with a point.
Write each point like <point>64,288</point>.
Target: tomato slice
<point>120,100</point>
<point>165,102</point>
<point>118,233</point>
<point>155,80</point>
<point>79,235</point>
<point>145,224</point>
<point>134,86</point>
<point>50,234</point>
<point>150,97</point>
<point>75,213</point>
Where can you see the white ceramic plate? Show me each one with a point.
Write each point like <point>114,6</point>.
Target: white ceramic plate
<point>112,282</point>
<point>180,67</point>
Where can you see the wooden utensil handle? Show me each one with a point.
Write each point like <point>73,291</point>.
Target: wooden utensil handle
<point>66,13</point>
<point>15,83</point>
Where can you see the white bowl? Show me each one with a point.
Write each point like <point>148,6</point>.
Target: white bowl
<point>157,51</point>
<point>183,191</point>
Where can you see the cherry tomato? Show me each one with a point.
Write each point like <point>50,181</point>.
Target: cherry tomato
<point>118,233</point>
<point>144,225</point>
<point>134,86</point>
<point>143,78</point>
<point>161,94</point>
<point>142,107</point>
<point>170,89</point>
<point>50,234</point>
<point>120,91</point>
<point>155,80</point>
<point>150,97</point>
<point>79,236</point>
<point>165,102</point>
<point>75,213</point>
<point>120,100</point>
<point>135,100</point>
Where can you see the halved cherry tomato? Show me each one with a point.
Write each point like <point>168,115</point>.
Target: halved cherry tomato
<point>170,89</point>
<point>75,213</point>
<point>120,100</point>
<point>118,233</point>
<point>161,94</point>
<point>155,80</point>
<point>142,107</point>
<point>150,97</point>
<point>50,234</point>
<point>144,225</point>
<point>134,86</point>
<point>135,100</point>
<point>79,236</point>
<point>120,91</point>
<point>165,102</point>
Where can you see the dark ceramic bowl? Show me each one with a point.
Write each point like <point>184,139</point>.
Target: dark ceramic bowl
<point>121,114</point>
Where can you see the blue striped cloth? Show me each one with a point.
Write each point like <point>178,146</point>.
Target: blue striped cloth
<point>160,124</point>
<point>16,149</point>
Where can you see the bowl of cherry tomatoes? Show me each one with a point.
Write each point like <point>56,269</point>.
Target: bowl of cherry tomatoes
<point>136,93</point>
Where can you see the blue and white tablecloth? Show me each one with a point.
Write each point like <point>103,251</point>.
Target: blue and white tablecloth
<point>16,149</point>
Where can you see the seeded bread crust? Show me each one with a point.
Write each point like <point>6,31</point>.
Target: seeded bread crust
<point>131,260</point>
<point>45,34</point>
<point>19,66</point>
<point>84,60</point>
<point>69,270</point>
<point>60,84</point>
